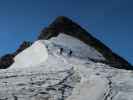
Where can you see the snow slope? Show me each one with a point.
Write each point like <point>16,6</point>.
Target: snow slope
<point>85,90</point>
<point>32,56</point>
<point>78,47</point>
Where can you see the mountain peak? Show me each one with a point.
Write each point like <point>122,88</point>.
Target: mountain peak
<point>61,24</point>
<point>64,25</point>
<point>63,19</point>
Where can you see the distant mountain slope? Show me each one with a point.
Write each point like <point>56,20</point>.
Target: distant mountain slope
<point>64,25</point>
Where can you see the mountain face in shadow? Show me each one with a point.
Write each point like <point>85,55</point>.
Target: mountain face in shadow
<point>64,25</point>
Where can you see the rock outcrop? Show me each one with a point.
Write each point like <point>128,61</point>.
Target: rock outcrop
<point>6,61</point>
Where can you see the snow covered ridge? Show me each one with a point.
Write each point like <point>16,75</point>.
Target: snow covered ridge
<point>78,48</point>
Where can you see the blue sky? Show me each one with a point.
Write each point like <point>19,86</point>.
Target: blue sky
<point>111,21</point>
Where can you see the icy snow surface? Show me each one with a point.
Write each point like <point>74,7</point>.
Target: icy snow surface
<point>32,56</point>
<point>78,47</point>
<point>62,77</point>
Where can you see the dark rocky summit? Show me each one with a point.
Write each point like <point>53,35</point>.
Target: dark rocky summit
<point>8,59</point>
<point>64,25</point>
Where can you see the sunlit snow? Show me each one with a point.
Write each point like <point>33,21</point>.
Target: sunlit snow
<point>42,72</point>
<point>32,56</point>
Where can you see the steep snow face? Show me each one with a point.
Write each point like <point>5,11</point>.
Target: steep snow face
<point>32,56</point>
<point>78,48</point>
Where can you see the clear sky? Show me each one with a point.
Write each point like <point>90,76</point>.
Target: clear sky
<point>111,21</point>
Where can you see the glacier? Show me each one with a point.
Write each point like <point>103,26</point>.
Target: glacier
<point>40,72</point>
